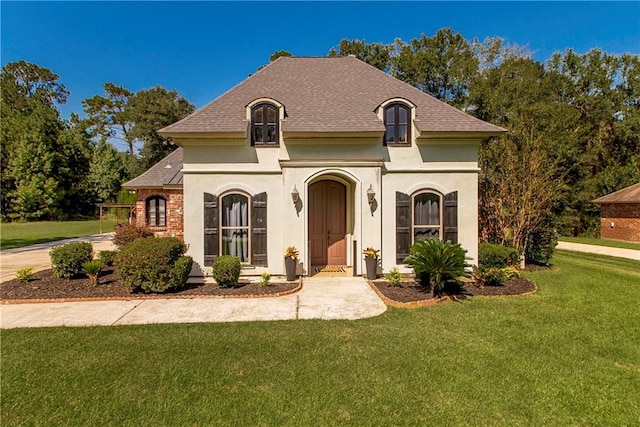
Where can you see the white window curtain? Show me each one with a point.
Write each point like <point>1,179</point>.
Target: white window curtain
<point>235,226</point>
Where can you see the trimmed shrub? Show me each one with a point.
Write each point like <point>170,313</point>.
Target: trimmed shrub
<point>497,256</point>
<point>541,246</point>
<point>226,271</point>
<point>67,260</point>
<point>127,233</point>
<point>107,258</point>
<point>153,264</point>
<point>437,262</point>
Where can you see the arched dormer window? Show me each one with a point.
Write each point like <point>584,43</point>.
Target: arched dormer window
<point>397,121</point>
<point>265,126</point>
<point>156,211</point>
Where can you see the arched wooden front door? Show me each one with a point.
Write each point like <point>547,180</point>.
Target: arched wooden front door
<point>328,223</point>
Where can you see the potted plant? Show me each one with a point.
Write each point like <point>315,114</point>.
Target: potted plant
<point>371,260</point>
<point>290,262</point>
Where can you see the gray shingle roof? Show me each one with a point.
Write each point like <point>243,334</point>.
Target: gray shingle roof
<point>167,171</point>
<point>629,194</point>
<point>325,95</point>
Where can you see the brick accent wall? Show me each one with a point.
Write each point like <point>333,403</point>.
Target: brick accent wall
<point>625,218</point>
<point>175,211</point>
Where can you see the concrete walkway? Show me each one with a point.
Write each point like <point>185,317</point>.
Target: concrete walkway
<point>600,250</point>
<point>321,298</point>
<point>37,256</point>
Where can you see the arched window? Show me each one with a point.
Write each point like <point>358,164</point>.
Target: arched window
<point>427,216</point>
<point>397,121</point>
<point>234,226</point>
<point>156,211</point>
<point>264,125</point>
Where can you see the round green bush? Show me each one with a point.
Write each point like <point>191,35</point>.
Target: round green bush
<point>226,271</point>
<point>107,258</point>
<point>153,264</point>
<point>67,260</point>
<point>497,256</point>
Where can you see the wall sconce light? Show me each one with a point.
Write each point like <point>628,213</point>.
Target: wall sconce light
<point>295,196</point>
<point>371,195</point>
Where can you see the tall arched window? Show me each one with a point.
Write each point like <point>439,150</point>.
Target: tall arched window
<point>427,216</point>
<point>264,125</point>
<point>234,226</point>
<point>397,121</point>
<point>156,211</point>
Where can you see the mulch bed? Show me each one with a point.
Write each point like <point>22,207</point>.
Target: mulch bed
<point>410,290</point>
<point>44,285</point>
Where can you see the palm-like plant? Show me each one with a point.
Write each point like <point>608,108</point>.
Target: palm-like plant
<point>438,262</point>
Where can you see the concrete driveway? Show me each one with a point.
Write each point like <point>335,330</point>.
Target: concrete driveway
<point>37,256</point>
<point>600,250</point>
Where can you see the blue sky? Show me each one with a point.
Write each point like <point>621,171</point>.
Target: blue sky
<point>202,49</point>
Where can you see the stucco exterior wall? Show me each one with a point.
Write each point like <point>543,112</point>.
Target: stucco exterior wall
<point>620,221</point>
<point>443,166</point>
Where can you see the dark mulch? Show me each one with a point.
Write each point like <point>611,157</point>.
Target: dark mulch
<point>410,290</point>
<point>46,286</point>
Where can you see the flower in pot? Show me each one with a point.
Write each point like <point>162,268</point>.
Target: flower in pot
<point>371,260</point>
<point>290,261</point>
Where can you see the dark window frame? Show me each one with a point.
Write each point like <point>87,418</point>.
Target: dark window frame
<point>396,106</point>
<point>264,126</point>
<point>248,227</point>
<point>439,227</point>
<point>156,220</point>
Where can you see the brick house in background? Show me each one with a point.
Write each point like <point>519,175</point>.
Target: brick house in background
<point>620,214</point>
<point>159,197</point>
<point>329,155</point>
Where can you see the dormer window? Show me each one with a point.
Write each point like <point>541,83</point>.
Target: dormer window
<point>397,121</point>
<point>264,125</point>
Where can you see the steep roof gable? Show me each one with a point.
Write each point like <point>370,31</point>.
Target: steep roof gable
<point>325,95</point>
<point>167,172</point>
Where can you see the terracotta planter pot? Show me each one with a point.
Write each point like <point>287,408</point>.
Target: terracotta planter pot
<point>372,267</point>
<point>290,267</point>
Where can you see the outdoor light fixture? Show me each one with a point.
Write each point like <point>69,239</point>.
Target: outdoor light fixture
<point>371,195</point>
<point>295,195</point>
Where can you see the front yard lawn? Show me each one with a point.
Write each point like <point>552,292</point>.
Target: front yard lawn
<point>19,234</point>
<point>567,355</point>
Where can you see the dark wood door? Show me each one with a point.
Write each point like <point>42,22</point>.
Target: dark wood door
<point>328,223</point>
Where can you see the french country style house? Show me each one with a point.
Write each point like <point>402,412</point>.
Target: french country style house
<point>329,155</point>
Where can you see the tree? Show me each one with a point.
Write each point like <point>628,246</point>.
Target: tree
<point>443,65</point>
<point>134,118</point>
<point>278,53</point>
<point>376,54</point>
<point>107,171</point>
<point>107,116</point>
<point>29,138</point>
<point>150,110</point>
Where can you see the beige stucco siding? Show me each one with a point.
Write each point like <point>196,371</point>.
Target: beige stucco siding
<point>443,166</point>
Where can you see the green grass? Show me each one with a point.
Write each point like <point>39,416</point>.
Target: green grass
<point>601,242</point>
<point>17,235</point>
<point>568,355</point>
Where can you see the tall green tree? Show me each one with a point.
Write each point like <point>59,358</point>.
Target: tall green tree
<point>149,110</point>
<point>376,54</point>
<point>107,171</point>
<point>134,119</point>
<point>31,125</point>
<point>443,65</point>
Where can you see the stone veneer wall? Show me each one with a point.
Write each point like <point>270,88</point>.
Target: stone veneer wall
<point>625,218</point>
<point>175,211</point>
